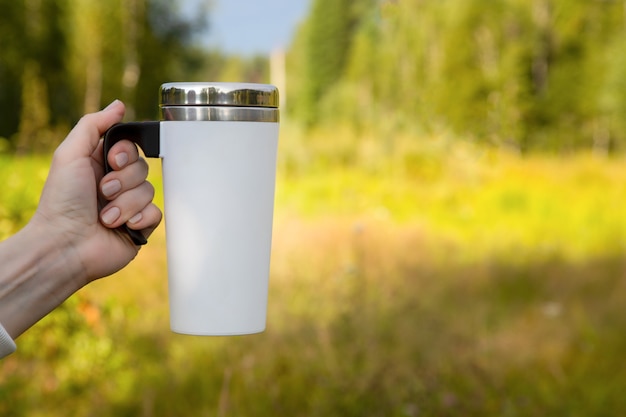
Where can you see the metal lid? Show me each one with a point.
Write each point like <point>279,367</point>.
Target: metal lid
<point>218,94</point>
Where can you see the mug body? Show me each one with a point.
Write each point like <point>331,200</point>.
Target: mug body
<point>218,185</point>
<point>218,144</point>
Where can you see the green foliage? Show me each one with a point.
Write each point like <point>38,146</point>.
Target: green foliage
<point>24,26</point>
<point>532,75</point>
<point>61,59</point>
<point>327,41</point>
<point>22,181</point>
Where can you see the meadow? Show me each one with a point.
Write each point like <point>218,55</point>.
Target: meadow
<point>412,275</point>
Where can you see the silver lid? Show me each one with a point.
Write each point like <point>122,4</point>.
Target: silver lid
<point>218,94</point>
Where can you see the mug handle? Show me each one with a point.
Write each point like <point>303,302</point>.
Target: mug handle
<point>144,134</point>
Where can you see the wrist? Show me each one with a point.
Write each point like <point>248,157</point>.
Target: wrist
<point>38,274</point>
<point>57,250</point>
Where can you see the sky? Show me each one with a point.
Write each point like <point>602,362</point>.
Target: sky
<point>248,27</point>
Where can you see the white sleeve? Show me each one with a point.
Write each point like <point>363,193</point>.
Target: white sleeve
<point>7,345</point>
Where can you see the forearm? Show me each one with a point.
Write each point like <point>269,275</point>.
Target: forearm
<point>36,276</point>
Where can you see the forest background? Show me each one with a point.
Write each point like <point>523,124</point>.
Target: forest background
<point>448,234</point>
<point>529,74</point>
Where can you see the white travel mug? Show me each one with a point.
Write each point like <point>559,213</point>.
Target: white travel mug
<point>218,144</point>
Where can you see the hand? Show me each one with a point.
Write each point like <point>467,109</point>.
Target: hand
<point>70,205</point>
<point>71,240</point>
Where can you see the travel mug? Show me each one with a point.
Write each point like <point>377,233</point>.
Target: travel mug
<point>218,144</point>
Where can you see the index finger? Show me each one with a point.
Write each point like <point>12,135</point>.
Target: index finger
<point>123,153</point>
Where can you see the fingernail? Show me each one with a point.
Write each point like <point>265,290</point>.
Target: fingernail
<point>109,216</point>
<point>111,187</point>
<point>112,104</point>
<point>121,159</point>
<point>136,218</point>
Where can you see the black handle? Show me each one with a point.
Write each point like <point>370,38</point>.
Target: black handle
<point>144,134</point>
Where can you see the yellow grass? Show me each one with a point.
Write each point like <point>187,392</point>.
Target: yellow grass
<point>438,279</point>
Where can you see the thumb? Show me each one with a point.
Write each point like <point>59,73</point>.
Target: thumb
<point>83,139</point>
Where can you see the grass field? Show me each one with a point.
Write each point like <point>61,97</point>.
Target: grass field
<point>410,277</point>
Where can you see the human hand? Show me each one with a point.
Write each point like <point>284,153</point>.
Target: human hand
<point>83,208</point>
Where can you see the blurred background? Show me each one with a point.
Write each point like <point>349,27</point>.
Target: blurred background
<point>448,232</point>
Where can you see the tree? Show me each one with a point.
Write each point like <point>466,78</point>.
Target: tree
<point>60,59</point>
<point>30,31</point>
<point>34,129</point>
<point>539,74</point>
<point>327,40</point>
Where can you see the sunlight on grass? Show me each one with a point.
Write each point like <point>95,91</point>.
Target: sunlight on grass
<point>488,201</point>
<point>438,279</point>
